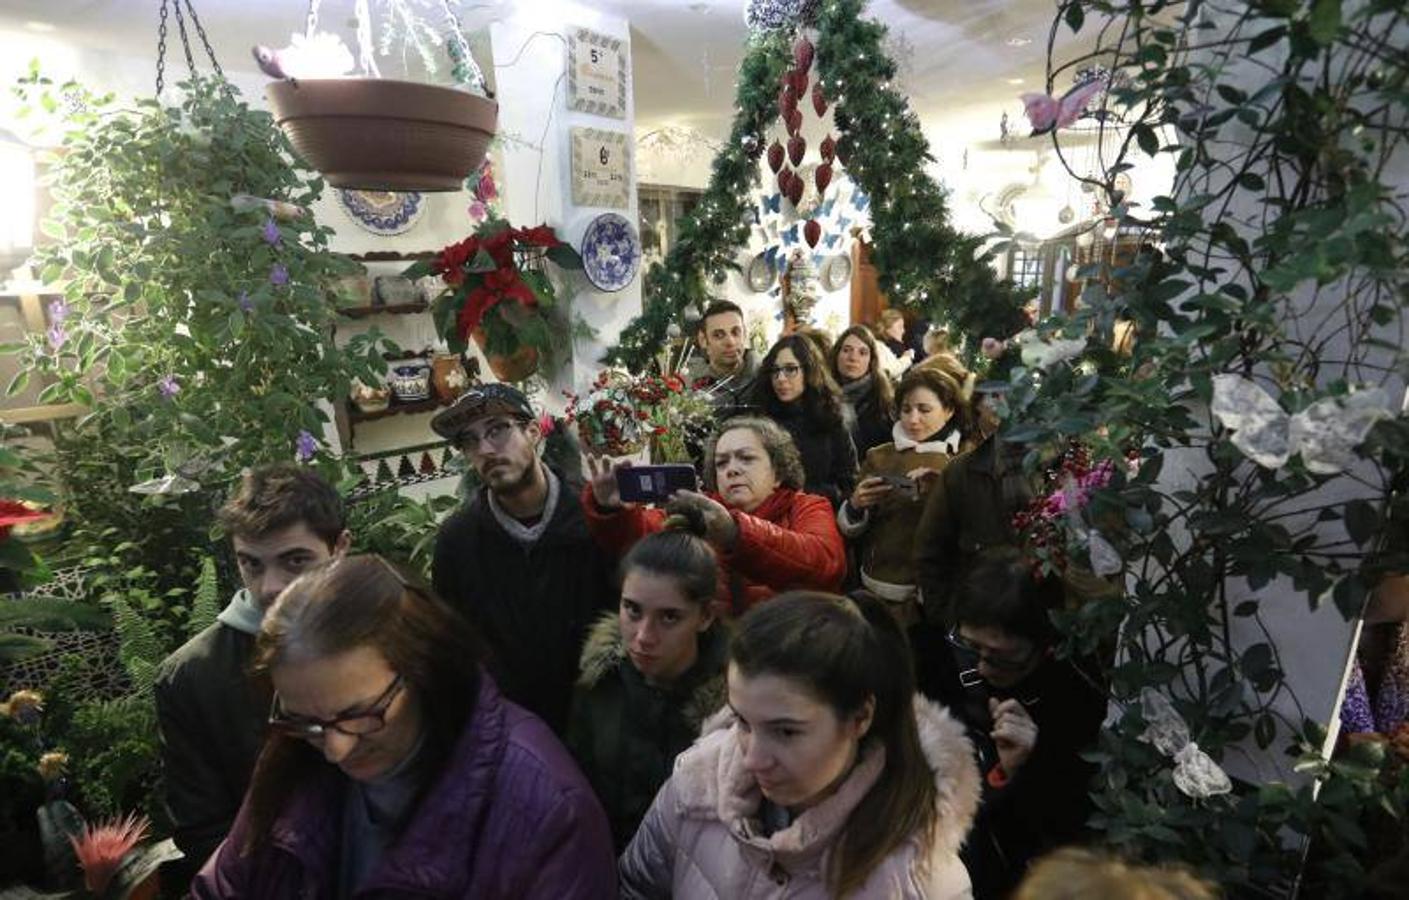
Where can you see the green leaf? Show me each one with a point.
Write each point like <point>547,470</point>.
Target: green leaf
<point>1324,22</point>
<point>237,323</point>
<point>1147,139</point>
<point>565,257</point>
<point>1075,17</point>
<point>1362,521</point>
<point>18,383</point>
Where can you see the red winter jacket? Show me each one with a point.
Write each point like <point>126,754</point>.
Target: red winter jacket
<point>790,541</point>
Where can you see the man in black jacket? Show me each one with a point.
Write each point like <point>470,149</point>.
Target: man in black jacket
<point>516,559</point>
<point>282,520</point>
<point>1029,714</point>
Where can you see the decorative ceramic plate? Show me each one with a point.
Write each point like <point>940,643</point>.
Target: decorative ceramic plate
<point>760,273</point>
<point>383,212</point>
<point>836,272</point>
<point>611,252</point>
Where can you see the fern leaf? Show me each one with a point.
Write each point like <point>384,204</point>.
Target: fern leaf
<point>206,604</point>
<point>139,648</point>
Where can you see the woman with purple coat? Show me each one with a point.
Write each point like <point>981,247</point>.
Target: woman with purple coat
<point>393,766</point>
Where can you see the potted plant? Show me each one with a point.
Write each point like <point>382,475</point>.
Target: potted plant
<point>497,291</point>
<point>622,412</point>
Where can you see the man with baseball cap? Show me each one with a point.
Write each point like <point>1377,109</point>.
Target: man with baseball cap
<point>516,559</point>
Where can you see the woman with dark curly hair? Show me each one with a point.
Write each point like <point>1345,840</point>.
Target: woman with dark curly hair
<point>769,535</point>
<point>868,401</point>
<point>795,390</point>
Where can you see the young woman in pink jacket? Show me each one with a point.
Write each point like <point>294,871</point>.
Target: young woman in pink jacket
<point>826,777</point>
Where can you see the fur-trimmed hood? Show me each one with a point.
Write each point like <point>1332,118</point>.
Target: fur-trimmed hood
<point>711,782</point>
<point>603,653</point>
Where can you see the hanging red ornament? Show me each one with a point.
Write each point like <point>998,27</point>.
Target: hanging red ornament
<point>775,156</point>
<point>798,80</point>
<point>819,100</point>
<point>787,100</point>
<point>785,177</point>
<point>803,52</point>
<point>795,121</point>
<point>797,146</point>
<point>812,232</point>
<point>828,149</point>
<point>795,188</point>
<point>823,177</point>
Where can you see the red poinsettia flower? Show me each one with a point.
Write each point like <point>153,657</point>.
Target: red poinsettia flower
<point>13,512</point>
<point>497,286</point>
<point>450,264</point>
<point>500,247</point>
<point>538,236</point>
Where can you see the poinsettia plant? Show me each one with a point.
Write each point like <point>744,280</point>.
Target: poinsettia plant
<point>497,289</point>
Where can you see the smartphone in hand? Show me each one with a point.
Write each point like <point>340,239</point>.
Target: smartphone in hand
<point>655,484</point>
<point>902,485</point>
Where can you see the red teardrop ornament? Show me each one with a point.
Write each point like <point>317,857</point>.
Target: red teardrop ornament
<point>828,149</point>
<point>798,79</point>
<point>785,179</point>
<point>775,156</point>
<point>812,232</point>
<point>795,121</point>
<point>795,188</point>
<point>819,100</point>
<point>797,146</point>
<point>803,52</point>
<point>822,177</point>
<point>787,100</point>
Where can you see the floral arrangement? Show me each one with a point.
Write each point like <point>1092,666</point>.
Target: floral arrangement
<point>621,412</point>
<point>498,293</point>
<point>1043,526</point>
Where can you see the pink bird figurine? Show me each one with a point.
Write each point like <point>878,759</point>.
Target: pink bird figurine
<point>1046,113</point>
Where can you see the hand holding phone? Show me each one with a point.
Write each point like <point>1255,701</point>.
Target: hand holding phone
<point>654,484</point>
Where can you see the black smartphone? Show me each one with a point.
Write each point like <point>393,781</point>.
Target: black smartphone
<point>905,487</point>
<point>655,484</point>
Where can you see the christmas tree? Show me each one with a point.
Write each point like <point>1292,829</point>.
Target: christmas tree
<point>921,260</point>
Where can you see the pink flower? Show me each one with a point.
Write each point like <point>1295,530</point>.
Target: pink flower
<point>100,850</point>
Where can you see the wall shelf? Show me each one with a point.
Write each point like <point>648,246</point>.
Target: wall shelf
<point>396,408</point>
<point>391,256</point>
<point>392,309</point>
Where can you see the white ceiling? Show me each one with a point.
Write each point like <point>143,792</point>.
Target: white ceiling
<point>953,53</point>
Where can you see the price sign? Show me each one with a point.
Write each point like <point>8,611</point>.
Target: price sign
<point>597,73</point>
<point>600,168</point>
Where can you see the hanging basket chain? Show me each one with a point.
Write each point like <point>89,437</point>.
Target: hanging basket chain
<point>161,49</point>
<point>310,24</point>
<point>464,68</point>
<point>186,44</point>
<point>185,40</point>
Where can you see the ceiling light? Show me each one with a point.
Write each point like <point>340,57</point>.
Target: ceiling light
<point>1018,41</point>
<point>42,27</point>
<point>1015,81</point>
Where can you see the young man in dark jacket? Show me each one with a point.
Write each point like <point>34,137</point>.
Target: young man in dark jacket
<point>517,560</point>
<point>1029,714</point>
<point>725,370</point>
<point>282,520</point>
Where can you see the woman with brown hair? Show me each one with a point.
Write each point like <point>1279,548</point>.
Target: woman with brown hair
<point>394,767</point>
<point>769,534</point>
<point>795,390</point>
<point>868,399</point>
<point>827,777</point>
<point>882,515</point>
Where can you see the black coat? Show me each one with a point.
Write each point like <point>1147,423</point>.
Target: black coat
<point>1046,803</point>
<point>870,424</point>
<point>531,604</point>
<point>828,456</point>
<point>211,717</point>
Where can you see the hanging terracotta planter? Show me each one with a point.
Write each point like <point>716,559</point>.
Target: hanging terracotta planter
<point>522,363</point>
<point>385,135</point>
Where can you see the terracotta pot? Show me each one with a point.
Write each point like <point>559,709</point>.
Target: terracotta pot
<point>385,135</point>
<point>517,367</point>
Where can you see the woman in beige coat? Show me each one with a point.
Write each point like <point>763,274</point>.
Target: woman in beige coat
<point>826,777</point>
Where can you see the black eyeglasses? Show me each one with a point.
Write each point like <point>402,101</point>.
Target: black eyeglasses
<point>357,724</point>
<point>788,370</point>
<point>998,661</point>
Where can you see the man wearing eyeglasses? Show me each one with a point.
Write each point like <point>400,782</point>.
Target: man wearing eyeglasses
<point>282,520</point>
<point>728,369</point>
<point>516,559</point>
<point>1029,714</point>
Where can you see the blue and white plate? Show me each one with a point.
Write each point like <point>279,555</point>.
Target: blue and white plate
<point>383,212</point>
<point>611,252</point>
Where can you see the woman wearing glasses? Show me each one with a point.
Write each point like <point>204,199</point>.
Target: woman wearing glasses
<point>882,515</point>
<point>1029,714</point>
<point>826,777</point>
<point>393,767</point>
<point>769,534</point>
<point>796,391</point>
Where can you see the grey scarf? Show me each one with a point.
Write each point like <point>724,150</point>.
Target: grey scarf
<point>242,614</point>
<point>857,390</point>
<point>528,534</point>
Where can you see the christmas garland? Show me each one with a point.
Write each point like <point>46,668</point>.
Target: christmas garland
<point>922,261</point>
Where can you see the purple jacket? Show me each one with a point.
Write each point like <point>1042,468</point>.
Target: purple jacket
<point>510,817</point>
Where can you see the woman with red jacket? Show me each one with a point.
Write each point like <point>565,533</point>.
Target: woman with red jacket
<point>769,535</point>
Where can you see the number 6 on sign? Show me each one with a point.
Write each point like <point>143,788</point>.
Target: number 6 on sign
<point>600,168</point>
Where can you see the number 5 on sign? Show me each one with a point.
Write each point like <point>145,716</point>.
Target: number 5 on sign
<point>600,171</point>
<point>597,73</point>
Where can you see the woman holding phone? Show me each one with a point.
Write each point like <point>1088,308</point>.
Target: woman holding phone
<point>883,514</point>
<point>769,535</point>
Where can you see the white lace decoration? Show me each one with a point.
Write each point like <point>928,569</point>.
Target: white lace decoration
<point>1325,433</point>
<point>1195,772</point>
